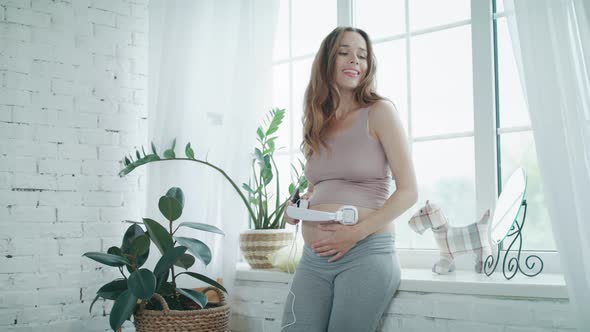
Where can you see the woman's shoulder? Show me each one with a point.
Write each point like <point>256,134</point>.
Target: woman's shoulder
<point>381,109</point>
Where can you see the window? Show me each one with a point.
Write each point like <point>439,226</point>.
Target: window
<point>435,60</point>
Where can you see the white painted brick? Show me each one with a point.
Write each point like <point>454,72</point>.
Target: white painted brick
<point>423,324</point>
<point>101,230</point>
<point>139,97</point>
<point>27,17</point>
<point>100,167</point>
<point>77,183</point>
<point>59,199</point>
<point>78,246</point>
<point>52,69</point>
<point>57,230</point>
<point>55,134</point>
<point>102,199</point>
<point>14,97</point>
<point>18,164</point>
<point>505,309</point>
<point>93,105</point>
<point>101,16</point>
<point>104,32</point>
<point>44,313</point>
<point>114,153</point>
<point>9,197</point>
<point>112,63</point>
<point>5,113</point>
<point>43,117</point>
<point>17,64</point>
<point>28,281</point>
<point>8,316</point>
<point>83,278</point>
<point>5,180</point>
<point>17,264</point>
<point>556,314</point>
<point>76,151</point>
<point>465,326</point>
<point>115,6</point>
<point>140,11</point>
<point>27,214</point>
<point>130,139</point>
<point>116,183</point>
<point>29,181</point>
<point>17,131</point>
<point>390,323</point>
<point>15,31</point>
<point>29,247</point>
<point>97,137</point>
<point>61,263</point>
<point>17,3</point>
<point>77,214</point>
<point>52,166</point>
<point>123,122</point>
<point>78,120</point>
<point>46,6</point>
<point>401,305</point>
<point>131,23</point>
<point>139,39</point>
<point>52,100</point>
<point>65,39</point>
<point>28,82</point>
<point>26,148</point>
<point>116,214</point>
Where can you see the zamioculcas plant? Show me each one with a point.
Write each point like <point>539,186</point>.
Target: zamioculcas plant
<point>264,170</point>
<point>142,285</point>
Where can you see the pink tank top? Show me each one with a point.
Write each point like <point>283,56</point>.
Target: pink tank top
<point>355,173</point>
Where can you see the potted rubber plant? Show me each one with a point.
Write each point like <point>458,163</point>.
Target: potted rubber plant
<point>152,296</point>
<point>265,209</point>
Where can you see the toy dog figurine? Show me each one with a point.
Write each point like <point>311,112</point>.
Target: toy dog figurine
<point>454,241</point>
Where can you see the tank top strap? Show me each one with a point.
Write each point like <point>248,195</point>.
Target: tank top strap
<point>360,126</point>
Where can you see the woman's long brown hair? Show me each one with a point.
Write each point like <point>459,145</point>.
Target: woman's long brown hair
<point>322,97</point>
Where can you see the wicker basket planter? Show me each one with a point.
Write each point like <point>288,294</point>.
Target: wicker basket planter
<point>215,319</point>
<point>258,244</point>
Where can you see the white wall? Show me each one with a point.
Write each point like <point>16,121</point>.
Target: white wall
<point>258,306</point>
<point>72,103</point>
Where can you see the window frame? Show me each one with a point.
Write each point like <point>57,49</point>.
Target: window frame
<point>486,131</point>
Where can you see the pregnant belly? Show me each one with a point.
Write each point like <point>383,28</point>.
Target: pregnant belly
<point>311,233</point>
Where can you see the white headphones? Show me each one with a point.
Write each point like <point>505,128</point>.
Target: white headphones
<point>346,215</point>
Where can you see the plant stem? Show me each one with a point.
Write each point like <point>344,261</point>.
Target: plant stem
<point>220,171</point>
<point>172,267</point>
<point>121,270</point>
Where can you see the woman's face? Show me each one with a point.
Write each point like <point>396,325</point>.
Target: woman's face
<point>351,61</point>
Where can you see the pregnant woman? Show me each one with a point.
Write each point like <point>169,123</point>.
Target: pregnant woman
<point>354,143</point>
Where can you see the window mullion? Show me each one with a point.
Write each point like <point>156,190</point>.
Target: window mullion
<point>345,13</point>
<point>483,104</point>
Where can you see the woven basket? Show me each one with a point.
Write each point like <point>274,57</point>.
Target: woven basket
<point>166,320</point>
<point>258,244</point>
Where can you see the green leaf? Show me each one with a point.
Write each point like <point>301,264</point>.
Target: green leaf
<point>92,304</point>
<point>142,283</point>
<point>197,248</point>
<point>107,259</point>
<point>260,133</point>
<point>176,193</point>
<point>170,208</point>
<point>133,232</point>
<point>122,309</point>
<point>159,235</point>
<point>127,161</point>
<point>160,281</point>
<point>202,227</point>
<point>154,149</point>
<point>115,251</point>
<point>140,245</point>
<point>185,261</point>
<point>194,295</point>
<point>189,151</point>
<point>143,151</point>
<point>169,154</point>
<point>168,259</point>
<point>173,143</point>
<point>113,289</point>
<point>205,279</point>
<point>276,121</point>
<point>137,154</point>
<point>258,155</point>
<point>247,188</point>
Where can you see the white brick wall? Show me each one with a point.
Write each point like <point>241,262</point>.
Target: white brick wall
<point>258,306</point>
<point>72,103</point>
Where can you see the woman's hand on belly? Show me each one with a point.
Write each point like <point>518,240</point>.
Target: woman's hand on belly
<point>338,241</point>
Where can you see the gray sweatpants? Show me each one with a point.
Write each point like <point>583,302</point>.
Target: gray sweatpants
<point>349,294</point>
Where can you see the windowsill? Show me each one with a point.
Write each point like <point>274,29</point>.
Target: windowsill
<point>544,285</point>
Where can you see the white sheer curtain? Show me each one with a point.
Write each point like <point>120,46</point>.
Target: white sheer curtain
<point>551,42</point>
<point>209,77</point>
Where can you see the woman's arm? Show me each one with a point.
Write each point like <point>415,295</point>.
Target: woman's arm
<point>387,124</point>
